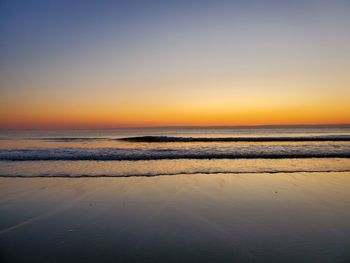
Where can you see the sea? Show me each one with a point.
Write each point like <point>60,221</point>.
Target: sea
<point>173,151</point>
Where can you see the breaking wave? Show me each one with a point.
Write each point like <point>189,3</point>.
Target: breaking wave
<point>172,153</point>
<point>236,139</point>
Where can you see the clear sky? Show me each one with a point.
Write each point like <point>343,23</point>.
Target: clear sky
<point>99,64</point>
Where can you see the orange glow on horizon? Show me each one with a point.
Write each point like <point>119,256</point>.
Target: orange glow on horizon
<point>88,118</point>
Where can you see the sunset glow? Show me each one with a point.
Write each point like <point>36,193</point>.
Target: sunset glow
<point>189,63</point>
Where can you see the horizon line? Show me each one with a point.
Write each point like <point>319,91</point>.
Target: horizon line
<point>340,125</point>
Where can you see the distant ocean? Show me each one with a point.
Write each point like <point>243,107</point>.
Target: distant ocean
<point>171,151</point>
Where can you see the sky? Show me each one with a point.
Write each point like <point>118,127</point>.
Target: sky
<point>110,64</point>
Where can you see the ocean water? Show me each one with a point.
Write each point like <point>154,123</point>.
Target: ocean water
<point>172,151</point>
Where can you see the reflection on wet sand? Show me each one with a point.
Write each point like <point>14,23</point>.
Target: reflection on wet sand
<point>298,217</point>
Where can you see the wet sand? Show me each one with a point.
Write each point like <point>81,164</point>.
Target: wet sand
<point>299,217</point>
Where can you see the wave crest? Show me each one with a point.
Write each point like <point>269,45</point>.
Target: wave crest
<point>237,139</point>
<point>161,153</point>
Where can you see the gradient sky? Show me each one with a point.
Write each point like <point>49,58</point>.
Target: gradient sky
<point>99,64</point>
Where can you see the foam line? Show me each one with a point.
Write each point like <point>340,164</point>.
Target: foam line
<point>168,174</point>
